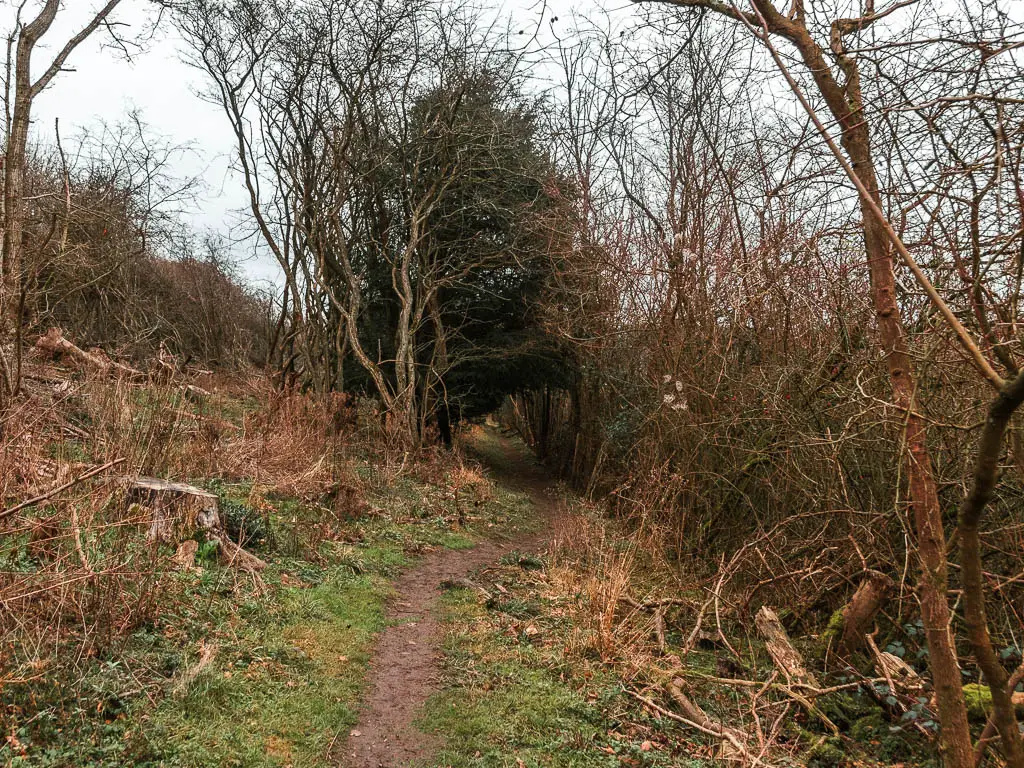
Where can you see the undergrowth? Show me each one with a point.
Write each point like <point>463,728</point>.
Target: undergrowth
<point>113,652</point>
<point>552,667</point>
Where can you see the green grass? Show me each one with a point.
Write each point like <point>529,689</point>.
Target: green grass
<point>285,680</point>
<point>511,700</point>
<point>284,685</point>
<point>497,710</point>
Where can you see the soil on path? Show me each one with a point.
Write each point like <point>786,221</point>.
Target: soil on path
<point>405,667</point>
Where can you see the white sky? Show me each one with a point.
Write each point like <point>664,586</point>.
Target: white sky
<point>162,87</point>
<point>105,87</point>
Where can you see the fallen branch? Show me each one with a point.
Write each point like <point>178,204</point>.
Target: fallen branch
<point>894,669</point>
<point>807,691</point>
<point>694,717</point>
<point>195,394</point>
<point>898,674</point>
<point>695,633</point>
<point>699,721</point>
<point>233,555</point>
<point>780,648</point>
<point>54,343</point>
<point>789,661</point>
<point>54,491</point>
<point>651,605</point>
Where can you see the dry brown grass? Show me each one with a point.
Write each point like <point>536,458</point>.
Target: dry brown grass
<point>599,569</point>
<point>76,570</point>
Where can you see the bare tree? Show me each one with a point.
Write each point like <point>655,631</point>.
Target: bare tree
<point>20,91</point>
<point>365,158</point>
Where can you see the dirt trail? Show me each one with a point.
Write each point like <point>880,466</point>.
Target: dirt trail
<point>405,668</point>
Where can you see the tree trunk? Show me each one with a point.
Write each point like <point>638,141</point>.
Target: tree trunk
<point>438,369</point>
<point>14,194</point>
<point>544,433</point>
<point>923,495</point>
<point>24,91</point>
<point>444,422</point>
<point>845,102</point>
<point>985,472</point>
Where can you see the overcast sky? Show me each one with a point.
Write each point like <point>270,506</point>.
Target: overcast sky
<point>159,83</point>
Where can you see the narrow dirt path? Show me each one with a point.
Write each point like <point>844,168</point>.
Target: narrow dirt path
<point>405,668</point>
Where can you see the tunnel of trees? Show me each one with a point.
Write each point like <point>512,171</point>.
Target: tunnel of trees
<point>486,245</point>
<point>405,183</point>
<point>754,271</point>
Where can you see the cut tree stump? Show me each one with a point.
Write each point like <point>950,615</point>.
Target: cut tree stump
<point>780,648</point>
<point>178,512</point>
<point>56,345</point>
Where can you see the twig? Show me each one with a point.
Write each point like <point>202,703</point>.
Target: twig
<point>720,734</point>
<point>695,633</point>
<point>54,491</point>
<point>811,691</point>
<point>718,618</point>
<point>654,604</point>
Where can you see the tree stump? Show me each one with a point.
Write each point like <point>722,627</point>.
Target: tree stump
<point>859,614</point>
<point>178,511</point>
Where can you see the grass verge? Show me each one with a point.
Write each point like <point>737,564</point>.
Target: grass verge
<point>236,671</point>
<point>514,697</point>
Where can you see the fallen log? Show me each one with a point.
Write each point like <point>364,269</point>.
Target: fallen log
<point>787,658</point>
<point>54,344</point>
<point>901,676</point>
<point>904,687</point>
<point>178,511</point>
<point>195,394</point>
<point>790,663</point>
<point>693,712</point>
